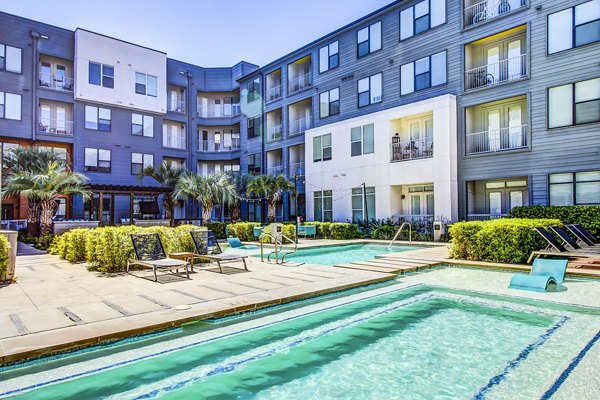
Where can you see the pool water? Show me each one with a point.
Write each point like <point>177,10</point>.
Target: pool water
<point>343,254</point>
<point>391,342</point>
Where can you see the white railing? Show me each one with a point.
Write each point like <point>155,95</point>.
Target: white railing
<point>176,106</point>
<point>484,217</point>
<point>13,224</point>
<point>219,146</point>
<point>299,126</point>
<point>299,82</point>
<point>52,81</point>
<point>494,73</point>
<point>274,93</point>
<point>221,111</point>
<point>174,141</point>
<point>55,127</point>
<point>412,149</point>
<point>296,169</point>
<point>275,170</point>
<point>414,219</point>
<point>274,133</point>
<point>497,140</point>
<point>488,9</point>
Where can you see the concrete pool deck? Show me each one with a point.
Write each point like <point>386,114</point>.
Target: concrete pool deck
<point>56,305</point>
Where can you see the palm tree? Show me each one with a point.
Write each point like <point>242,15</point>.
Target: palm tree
<point>240,181</point>
<point>33,160</point>
<point>46,187</point>
<point>272,187</point>
<point>208,190</point>
<point>167,176</point>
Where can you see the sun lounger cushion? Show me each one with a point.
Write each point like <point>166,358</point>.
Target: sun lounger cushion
<point>236,243</point>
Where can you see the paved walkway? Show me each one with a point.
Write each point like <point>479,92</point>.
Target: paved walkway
<point>24,249</point>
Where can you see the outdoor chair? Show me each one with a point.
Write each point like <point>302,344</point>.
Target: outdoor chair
<point>236,243</point>
<point>555,248</point>
<point>583,235</point>
<point>543,273</point>
<point>149,252</point>
<point>307,230</point>
<point>207,247</point>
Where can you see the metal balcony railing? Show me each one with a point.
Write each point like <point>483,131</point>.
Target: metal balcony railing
<point>222,111</point>
<point>274,93</point>
<point>488,9</point>
<point>299,82</point>
<point>174,141</point>
<point>296,169</point>
<point>219,146</point>
<point>55,82</point>
<point>299,126</point>
<point>495,73</point>
<point>497,140</point>
<point>177,106</point>
<point>275,170</point>
<point>55,126</point>
<point>274,133</point>
<point>484,217</point>
<point>412,149</point>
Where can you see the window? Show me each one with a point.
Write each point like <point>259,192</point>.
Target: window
<point>142,125</point>
<point>97,160</point>
<point>59,151</point>
<point>322,148</point>
<point>174,136</point>
<point>145,84</point>
<point>253,90</point>
<point>358,210</point>
<point>573,104</point>
<point>329,57</point>
<point>10,106</point>
<point>422,74</point>
<point>370,90</point>
<point>369,39</point>
<point>254,164</point>
<point>253,127</point>
<point>579,188</point>
<point>329,103</point>
<point>97,118</point>
<point>362,140</point>
<point>574,27</point>
<point>10,58</point>
<point>101,75</point>
<point>422,17</point>
<point>323,206</point>
<point>139,161</point>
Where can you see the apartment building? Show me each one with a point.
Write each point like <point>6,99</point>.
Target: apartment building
<point>422,110</point>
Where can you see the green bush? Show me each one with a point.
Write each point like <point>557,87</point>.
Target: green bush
<point>4,248</point>
<point>507,240</point>
<point>344,231</point>
<point>218,228</point>
<point>323,229</point>
<point>383,232</point>
<point>588,216</point>
<point>243,230</point>
<point>288,230</point>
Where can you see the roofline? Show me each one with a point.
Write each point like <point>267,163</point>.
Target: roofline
<point>38,22</point>
<point>120,40</point>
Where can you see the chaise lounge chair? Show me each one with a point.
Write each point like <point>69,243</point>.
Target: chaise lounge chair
<point>544,272</point>
<point>555,248</point>
<point>149,252</point>
<point>236,243</point>
<point>207,247</point>
<point>573,243</point>
<point>583,235</point>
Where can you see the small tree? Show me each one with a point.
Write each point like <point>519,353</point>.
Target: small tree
<point>167,176</point>
<point>273,188</point>
<point>240,181</point>
<point>207,190</point>
<point>45,188</point>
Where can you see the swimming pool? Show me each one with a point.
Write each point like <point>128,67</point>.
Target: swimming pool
<point>424,341</point>
<point>342,254</point>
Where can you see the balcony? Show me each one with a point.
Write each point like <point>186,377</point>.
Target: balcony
<point>296,169</point>
<point>274,133</point>
<point>219,111</point>
<point>174,141</point>
<point>56,82</point>
<point>495,73</point>
<point>415,149</point>
<point>299,82</point>
<point>478,12</point>
<point>178,106</point>
<point>299,74</point>
<point>274,93</point>
<point>511,138</point>
<point>55,126</point>
<point>299,126</point>
<point>218,146</point>
<point>275,170</point>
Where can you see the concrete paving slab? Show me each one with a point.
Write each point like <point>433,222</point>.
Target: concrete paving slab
<point>169,298</point>
<point>44,320</point>
<point>93,312</point>
<point>7,327</point>
<point>133,303</point>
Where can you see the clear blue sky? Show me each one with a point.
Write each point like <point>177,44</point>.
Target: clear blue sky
<point>205,32</point>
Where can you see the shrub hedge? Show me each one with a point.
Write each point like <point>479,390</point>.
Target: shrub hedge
<point>336,230</point>
<point>4,248</point>
<point>588,216</point>
<point>507,240</point>
<point>218,228</point>
<point>243,230</point>
<point>107,249</point>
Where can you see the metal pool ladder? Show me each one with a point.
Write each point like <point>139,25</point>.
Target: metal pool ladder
<point>278,241</point>
<point>398,233</point>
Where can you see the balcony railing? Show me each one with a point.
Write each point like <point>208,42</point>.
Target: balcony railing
<point>174,141</point>
<point>55,127</point>
<point>296,169</point>
<point>52,81</point>
<point>222,111</point>
<point>274,93</point>
<point>484,217</point>
<point>177,106</point>
<point>299,126</point>
<point>218,146</point>
<point>412,149</point>
<point>419,221</point>
<point>275,170</point>
<point>299,83</point>
<point>489,9</point>
<point>274,133</point>
<point>497,140</point>
<point>495,73</point>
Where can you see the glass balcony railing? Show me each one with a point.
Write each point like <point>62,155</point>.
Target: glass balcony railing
<point>219,146</point>
<point>299,82</point>
<point>296,169</point>
<point>299,126</point>
<point>274,133</point>
<point>275,170</point>
<point>274,93</point>
<point>56,82</point>
<point>220,111</point>
<point>177,106</point>
<point>55,126</point>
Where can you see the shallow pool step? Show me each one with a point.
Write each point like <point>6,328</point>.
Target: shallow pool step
<point>418,263</point>
<point>371,268</point>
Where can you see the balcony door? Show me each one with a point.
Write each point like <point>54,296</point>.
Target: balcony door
<point>173,100</point>
<point>61,120</point>
<point>217,112</point>
<point>45,119</point>
<point>504,60</point>
<point>502,196</point>
<point>504,125</point>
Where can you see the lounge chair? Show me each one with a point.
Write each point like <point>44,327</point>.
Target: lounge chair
<point>149,252</point>
<point>544,272</point>
<point>307,230</point>
<point>583,235</point>
<point>555,248</point>
<point>236,243</point>
<point>567,240</point>
<point>207,247</point>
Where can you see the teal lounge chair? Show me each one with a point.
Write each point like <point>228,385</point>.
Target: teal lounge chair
<point>236,243</point>
<point>543,273</point>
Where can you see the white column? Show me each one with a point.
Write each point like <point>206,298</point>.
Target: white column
<point>445,182</point>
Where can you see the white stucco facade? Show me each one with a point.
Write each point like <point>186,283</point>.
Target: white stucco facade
<point>421,163</point>
<point>126,59</point>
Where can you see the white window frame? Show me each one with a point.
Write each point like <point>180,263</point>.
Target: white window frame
<point>8,54</point>
<point>371,31</point>
<point>10,109</point>
<point>359,193</point>
<point>566,34</point>
<point>321,196</point>
<point>322,148</point>
<point>327,54</point>
<point>362,140</point>
<point>371,82</point>
<point>145,124</point>
<point>326,100</point>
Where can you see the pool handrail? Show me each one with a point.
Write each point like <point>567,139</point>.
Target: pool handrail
<point>400,230</point>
